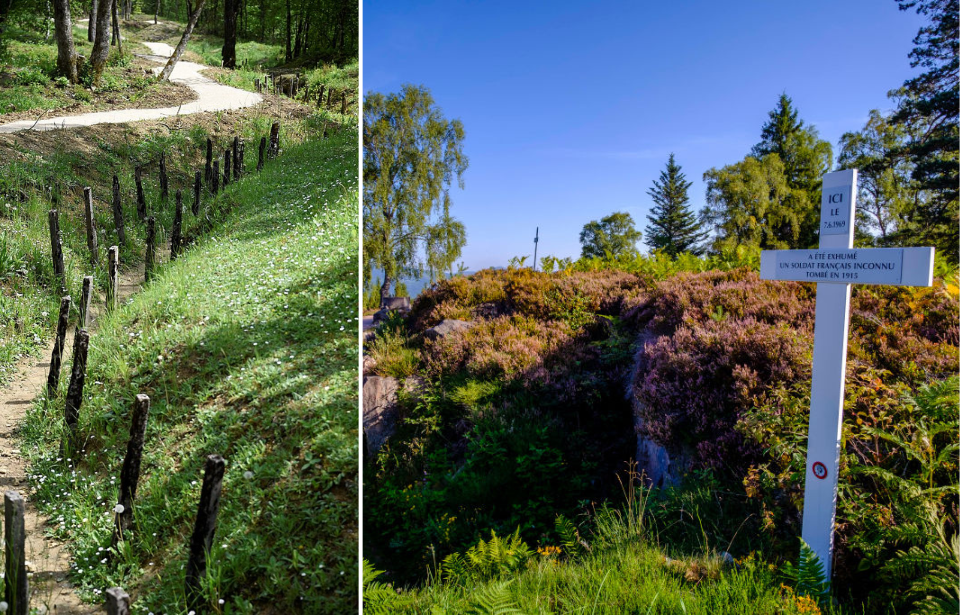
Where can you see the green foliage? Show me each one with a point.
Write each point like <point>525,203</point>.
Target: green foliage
<point>809,578</point>
<point>487,560</point>
<point>376,595</point>
<point>610,237</point>
<point>411,155</point>
<point>391,354</point>
<point>673,228</point>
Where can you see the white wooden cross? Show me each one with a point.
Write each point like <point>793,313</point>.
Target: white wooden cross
<point>834,267</point>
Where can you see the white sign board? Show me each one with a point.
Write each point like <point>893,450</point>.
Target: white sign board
<point>896,266</point>
<point>834,267</point>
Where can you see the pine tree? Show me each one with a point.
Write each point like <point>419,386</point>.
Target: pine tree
<point>673,227</point>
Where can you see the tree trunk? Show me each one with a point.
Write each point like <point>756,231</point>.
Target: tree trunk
<point>165,73</point>
<point>156,13</point>
<point>231,9</point>
<point>385,288</point>
<point>92,22</point>
<point>116,27</point>
<point>289,53</point>
<point>66,54</point>
<point>101,45</point>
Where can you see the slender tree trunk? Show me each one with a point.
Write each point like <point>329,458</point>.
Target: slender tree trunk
<point>231,9</point>
<point>6,5</point>
<point>156,13</point>
<point>289,54</point>
<point>116,27</point>
<point>92,22</point>
<point>101,45</point>
<point>165,73</point>
<point>66,54</point>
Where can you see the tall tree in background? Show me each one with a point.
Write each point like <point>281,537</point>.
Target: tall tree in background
<point>66,54</point>
<point>411,156</point>
<point>931,101</point>
<point>231,9</point>
<point>101,40</point>
<point>886,194</point>
<point>612,236</point>
<point>673,228</point>
<point>182,45</point>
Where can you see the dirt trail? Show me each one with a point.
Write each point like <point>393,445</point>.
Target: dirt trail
<point>48,559</point>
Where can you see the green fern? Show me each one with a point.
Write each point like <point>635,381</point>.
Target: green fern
<point>809,578</point>
<point>494,599</point>
<point>569,535</point>
<point>487,559</point>
<point>376,596</point>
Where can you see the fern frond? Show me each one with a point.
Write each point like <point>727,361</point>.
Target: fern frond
<point>494,599</point>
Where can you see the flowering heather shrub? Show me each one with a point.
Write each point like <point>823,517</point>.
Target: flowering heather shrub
<point>571,297</point>
<point>692,387</point>
<point>690,298</point>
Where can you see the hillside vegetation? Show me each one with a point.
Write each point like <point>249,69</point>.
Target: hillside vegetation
<point>535,409</point>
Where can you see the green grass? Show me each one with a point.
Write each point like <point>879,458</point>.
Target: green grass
<point>247,346</point>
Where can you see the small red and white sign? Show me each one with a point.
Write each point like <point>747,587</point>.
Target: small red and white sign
<point>819,470</point>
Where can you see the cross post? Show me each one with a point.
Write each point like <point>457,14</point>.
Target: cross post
<point>834,267</point>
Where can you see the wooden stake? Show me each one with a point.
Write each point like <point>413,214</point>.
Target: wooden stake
<point>263,147</point>
<point>71,411</point>
<point>240,167</point>
<point>343,103</point>
<point>196,195</point>
<point>274,140</point>
<point>151,257</point>
<point>117,601</point>
<point>227,159</point>
<point>215,184</point>
<point>209,168</point>
<point>141,202</point>
<point>130,474</point>
<point>256,85</point>
<point>236,158</point>
<point>53,377</point>
<point>204,530</point>
<point>113,256</point>
<point>91,226</point>
<point>176,235</point>
<point>320,97</point>
<point>85,302</point>
<point>56,247</point>
<point>164,186</point>
<point>16,591</point>
<point>118,212</point>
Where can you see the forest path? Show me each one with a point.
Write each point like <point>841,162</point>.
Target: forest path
<point>48,559</point>
<point>211,96</point>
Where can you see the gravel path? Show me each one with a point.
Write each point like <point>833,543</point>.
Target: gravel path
<point>211,96</point>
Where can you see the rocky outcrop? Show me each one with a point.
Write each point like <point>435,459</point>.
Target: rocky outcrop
<point>380,411</point>
<point>446,328</point>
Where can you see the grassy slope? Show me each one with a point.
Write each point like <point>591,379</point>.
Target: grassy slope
<point>247,346</point>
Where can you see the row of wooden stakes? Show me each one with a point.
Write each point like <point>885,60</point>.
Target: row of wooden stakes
<point>290,87</point>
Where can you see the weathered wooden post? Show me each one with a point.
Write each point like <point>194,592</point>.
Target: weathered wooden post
<point>176,235</point>
<point>343,103</point>
<point>263,148</point>
<point>113,258</point>
<point>256,85</point>
<point>215,186</point>
<point>295,86</point>
<point>56,247</point>
<point>91,226</point>
<point>240,167</point>
<point>236,158</point>
<point>227,159</point>
<point>130,474</point>
<point>330,98</point>
<point>274,140</point>
<point>203,530</point>
<point>164,185</point>
<point>141,202</point>
<point>150,258</point>
<point>208,170</point>
<point>71,411</point>
<point>15,583</point>
<point>117,601</point>
<point>320,97</point>
<point>196,194</point>
<point>84,306</point>
<point>118,212</point>
<point>53,377</point>
<point>289,87</point>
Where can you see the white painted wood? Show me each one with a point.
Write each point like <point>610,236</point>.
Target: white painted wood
<point>896,266</point>
<point>843,266</point>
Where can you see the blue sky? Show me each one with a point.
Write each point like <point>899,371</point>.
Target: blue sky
<point>571,109</point>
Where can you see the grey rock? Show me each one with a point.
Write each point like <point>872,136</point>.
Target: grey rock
<point>380,410</point>
<point>446,328</point>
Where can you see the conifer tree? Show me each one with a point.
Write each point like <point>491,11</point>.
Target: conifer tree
<point>673,227</point>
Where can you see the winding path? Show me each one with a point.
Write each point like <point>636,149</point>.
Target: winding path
<point>211,96</point>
